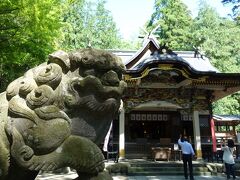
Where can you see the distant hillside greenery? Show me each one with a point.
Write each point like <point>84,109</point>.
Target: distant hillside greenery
<point>216,37</point>
<point>30,30</point>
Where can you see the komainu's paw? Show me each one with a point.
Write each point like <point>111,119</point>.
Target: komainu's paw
<point>25,153</point>
<point>45,166</point>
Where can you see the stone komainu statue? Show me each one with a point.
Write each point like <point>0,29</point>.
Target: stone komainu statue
<point>58,112</point>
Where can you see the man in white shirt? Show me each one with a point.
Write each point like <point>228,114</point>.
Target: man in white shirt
<point>187,154</point>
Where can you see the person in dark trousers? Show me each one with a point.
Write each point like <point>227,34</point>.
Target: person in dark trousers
<point>187,155</point>
<point>228,157</point>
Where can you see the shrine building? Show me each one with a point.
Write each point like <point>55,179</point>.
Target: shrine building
<point>168,93</point>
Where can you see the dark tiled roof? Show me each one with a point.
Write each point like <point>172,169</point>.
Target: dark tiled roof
<point>197,62</point>
<point>226,117</point>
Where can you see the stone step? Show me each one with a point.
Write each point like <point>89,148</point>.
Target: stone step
<point>138,169</point>
<point>138,156</point>
<point>154,168</point>
<point>154,164</point>
<point>166,173</point>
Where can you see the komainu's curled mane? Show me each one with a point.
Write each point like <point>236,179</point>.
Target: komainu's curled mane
<point>58,112</point>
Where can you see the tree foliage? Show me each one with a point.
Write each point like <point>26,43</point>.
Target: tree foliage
<point>90,24</point>
<point>31,29</point>
<point>219,39</point>
<point>28,30</point>
<point>228,105</point>
<point>235,7</point>
<point>175,21</point>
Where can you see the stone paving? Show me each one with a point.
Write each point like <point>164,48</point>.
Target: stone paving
<point>73,175</point>
<point>49,176</point>
<point>167,178</point>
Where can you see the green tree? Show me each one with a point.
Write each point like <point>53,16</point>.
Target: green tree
<point>219,39</point>
<point>90,23</point>
<point>9,26</point>
<point>175,23</point>
<point>28,32</point>
<point>73,18</point>
<point>235,7</point>
<point>228,105</point>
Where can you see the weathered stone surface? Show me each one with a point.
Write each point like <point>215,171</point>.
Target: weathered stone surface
<point>58,112</point>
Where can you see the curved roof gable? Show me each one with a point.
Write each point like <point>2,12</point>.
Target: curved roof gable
<point>150,45</point>
<point>152,51</point>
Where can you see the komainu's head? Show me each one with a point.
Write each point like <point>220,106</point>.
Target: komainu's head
<point>73,93</point>
<point>96,84</point>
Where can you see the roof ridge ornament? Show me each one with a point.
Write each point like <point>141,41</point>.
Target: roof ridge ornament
<point>149,35</point>
<point>198,52</point>
<point>89,42</point>
<point>152,36</point>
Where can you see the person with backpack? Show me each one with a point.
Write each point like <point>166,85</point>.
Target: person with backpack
<point>228,158</point>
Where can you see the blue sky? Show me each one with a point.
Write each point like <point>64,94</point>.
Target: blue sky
<point>130,15</point>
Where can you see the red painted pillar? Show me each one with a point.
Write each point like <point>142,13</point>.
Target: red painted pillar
<point>214,142</point>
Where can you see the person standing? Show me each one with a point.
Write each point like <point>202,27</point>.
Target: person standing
<point>187,154</point>
<point>228,157</point>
